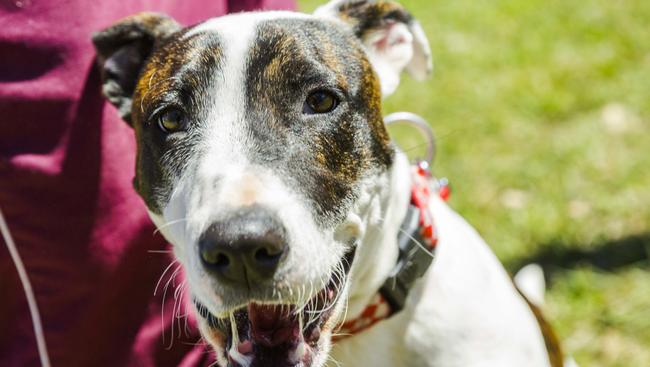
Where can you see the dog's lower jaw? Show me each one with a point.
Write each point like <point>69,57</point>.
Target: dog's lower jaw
<point>301,352</point>
<point>247,345</point>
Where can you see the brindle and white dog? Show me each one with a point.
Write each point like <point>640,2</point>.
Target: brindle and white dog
<point>263,159</point>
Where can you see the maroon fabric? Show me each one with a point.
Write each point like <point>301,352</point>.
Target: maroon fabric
<point>66,165</point>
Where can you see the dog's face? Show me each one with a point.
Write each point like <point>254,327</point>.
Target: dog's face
<point>256,133</point>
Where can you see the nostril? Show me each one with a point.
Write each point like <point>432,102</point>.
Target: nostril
<point>215,259</point>
<point>222,261</point>
<point>267,257</point>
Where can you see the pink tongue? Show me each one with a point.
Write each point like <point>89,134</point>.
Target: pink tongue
<point>271,326</point>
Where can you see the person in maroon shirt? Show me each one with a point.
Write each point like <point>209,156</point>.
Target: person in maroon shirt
<point>66,165</point>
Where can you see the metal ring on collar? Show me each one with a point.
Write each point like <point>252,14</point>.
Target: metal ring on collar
<point>421,125</point>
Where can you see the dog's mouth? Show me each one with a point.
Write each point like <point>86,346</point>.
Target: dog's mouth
<point>279,334</point>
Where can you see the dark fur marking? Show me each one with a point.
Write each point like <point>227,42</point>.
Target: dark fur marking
<point>366,16</point>
<point>122,50</point>
<point>324,156</point>
<point>179,74</point>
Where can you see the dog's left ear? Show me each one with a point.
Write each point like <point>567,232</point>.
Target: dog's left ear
<point>393,39</point>
<point>122,50</point>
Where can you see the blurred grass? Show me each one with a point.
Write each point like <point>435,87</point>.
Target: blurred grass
<point>542,113</point>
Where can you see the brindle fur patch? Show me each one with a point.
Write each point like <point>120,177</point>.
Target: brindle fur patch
<point>179,74</point>
<point>323,156</point>
<point>122,50</point>
<point>369,16</point>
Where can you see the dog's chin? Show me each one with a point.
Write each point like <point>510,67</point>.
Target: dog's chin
<point>262,334</point>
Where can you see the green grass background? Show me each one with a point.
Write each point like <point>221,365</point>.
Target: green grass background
<point>542,113</point>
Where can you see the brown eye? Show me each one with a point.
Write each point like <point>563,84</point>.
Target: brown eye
<point>171,121</point>
<point>320,102</point>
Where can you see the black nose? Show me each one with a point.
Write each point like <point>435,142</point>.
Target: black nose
<point>245,248</point>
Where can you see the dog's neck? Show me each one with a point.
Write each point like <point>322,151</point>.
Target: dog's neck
<point>381,209</point>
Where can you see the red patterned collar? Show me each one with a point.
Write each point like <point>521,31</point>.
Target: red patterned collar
<point>417,240</point>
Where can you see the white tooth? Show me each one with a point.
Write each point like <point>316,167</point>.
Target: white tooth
<point>299,353</point>
<point>235,332</point>
<point>243,360</point>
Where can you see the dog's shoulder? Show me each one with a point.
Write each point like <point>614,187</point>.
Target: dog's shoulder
<point>468,309</point>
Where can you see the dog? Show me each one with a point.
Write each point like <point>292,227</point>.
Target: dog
<point>263,159</point>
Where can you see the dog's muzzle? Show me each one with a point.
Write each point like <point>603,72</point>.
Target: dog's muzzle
<point>244,252</point>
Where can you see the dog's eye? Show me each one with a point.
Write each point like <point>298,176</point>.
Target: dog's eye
<point>171,120</point>
<point>320,102</point>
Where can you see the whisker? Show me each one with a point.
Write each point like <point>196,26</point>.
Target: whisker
<point>330,358</point>
<point>172,222</point>
<point>178,298</point>
<point>164,296</point>
<point>420,245</point>
<point>150,88</point>
<point>163,274</point>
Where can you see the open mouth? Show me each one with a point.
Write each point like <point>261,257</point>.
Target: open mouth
<point>260,334</point>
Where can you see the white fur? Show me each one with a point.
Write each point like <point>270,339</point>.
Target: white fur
<point>464,312</point>
<point>421,65</point>
<point>530,280</point>
<point>383,201</point>
<point>389,51</point>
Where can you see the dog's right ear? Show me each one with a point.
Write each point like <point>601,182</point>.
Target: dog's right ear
<point>393,39</point>
<point>122,50</point>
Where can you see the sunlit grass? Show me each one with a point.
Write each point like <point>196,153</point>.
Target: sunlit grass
<point>542,112</point>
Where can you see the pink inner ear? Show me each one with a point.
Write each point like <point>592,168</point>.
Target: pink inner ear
<point>392,35</point>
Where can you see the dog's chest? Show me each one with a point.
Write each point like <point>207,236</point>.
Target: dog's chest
<point>465,312</point>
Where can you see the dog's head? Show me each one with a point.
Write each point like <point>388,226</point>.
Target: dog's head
<point>257,134</point>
